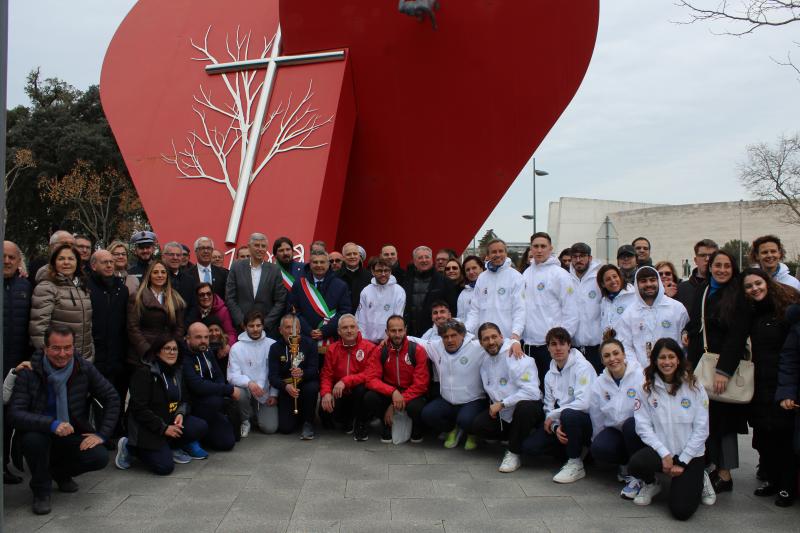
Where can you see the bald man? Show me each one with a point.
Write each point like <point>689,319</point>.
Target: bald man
<point>353,272</point>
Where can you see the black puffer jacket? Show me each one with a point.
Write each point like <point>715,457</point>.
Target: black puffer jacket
<point>16,312</point>
<point>29,401</point>
<point>418,310</point>
<point>109,322</point>
<point>148,414</point>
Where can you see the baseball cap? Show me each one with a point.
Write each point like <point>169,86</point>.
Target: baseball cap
<point>625,249</point>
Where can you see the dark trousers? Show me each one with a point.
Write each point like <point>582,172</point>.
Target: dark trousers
<point>119,379</point>
<point>617,447</point>
<point>541,355</point>
<point>306,405</point>
<point>349,407</point>
<point>578,427</point>
<point>527,415</point>
<point>58,458</point>
<point>159,461</point>
<point>220,430</point>
<point>777,457</point>
<point>440,415</point>
<point>592,354</point>
<point>685,490</point>
<point>7,430</point>
<point>375,405</point>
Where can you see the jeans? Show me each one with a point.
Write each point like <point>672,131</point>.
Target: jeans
<point>58,458</point>
<point>575,424</point>
<point>616,447</point>
<point>527,415</point>
<point>440,415</point>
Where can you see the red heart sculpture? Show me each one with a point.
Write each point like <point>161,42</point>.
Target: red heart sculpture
<point>180,129</point>
<point>446,118</point>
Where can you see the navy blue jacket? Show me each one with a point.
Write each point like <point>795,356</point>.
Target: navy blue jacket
<point>280,364</point>
<point>336,295</point>
<point>204,379</point>
<point>109,323</point>
<point>16,314</point>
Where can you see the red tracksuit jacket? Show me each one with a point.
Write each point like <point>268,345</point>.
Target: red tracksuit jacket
<point>399,373</point>
<point>348,364</point>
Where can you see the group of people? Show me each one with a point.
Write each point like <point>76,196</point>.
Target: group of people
<point>555,356</point>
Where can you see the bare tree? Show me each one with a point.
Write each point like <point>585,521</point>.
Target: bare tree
<point>773,174</point>
<point>224,127</point>
<point>743,16</point>
<point>22,159</point>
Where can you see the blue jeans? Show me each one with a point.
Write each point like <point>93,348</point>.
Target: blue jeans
<point>616,447</point>
<point>578,427</point>
<point>440,415</point>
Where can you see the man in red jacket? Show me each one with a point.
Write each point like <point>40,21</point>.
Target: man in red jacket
<point>398,380</point>
<point>344,375</point>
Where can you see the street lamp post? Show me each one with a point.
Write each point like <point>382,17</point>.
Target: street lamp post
<point>535,173</point>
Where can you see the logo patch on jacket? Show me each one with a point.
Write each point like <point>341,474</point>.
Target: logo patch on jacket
<point>686,403</point>
<point>584,380</point>
<point>501,291</point>
<point>360,355</point>
<point>503,381</point>
<point>197,367</point>
<point>407,359</point>
<point>666,324</point>
<point>525,378</point>
<point>540,286</point>
<point>620,310</point>
<point>386,307</point>
<point>592,294</point>
<point>631,392</point>
<point>464,360</point>
<point>571,392</point>
<point>607,396</point>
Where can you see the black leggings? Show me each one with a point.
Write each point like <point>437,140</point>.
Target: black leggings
<point>686,489</point>
<point>527,415</point>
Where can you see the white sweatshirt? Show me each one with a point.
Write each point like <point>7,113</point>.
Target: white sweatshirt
<point>464,303</point>
<point>550,300</point>
<point>588,304</point>
<point>498,298</point>
<point>509,380</point>
<point>459,372</point>
<point>248,361</point>
<point>782,275</point>
<point>642,324</point>
<point>610,405</point>
<point>673,425</point>
<point>376,304</point>
<point>611,311</point>
<point>568,387</point>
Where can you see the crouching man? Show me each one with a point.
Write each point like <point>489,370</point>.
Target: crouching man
<point>50,410</point>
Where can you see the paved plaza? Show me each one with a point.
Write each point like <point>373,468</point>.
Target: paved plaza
<point>278,484</point>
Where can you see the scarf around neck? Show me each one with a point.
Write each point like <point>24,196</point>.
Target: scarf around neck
<point>57,378</point>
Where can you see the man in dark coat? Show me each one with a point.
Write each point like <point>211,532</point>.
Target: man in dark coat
<point>181,280</point>
<point>687,289</point>
<point>204,271</point>
<point>143,244</point>
<point>353,272</point>
<point>50,410</point>
<point>423,286</point>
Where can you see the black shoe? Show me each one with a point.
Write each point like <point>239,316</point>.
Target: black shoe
<point>720,485</point>
<point>67,485</point>
<point>10,478</point>
<point>416,435</point>
<point>386,434</point>
<point>361,432</point>
<point>41,504</point>
<point>766,489</point>
<point>784,499</point>
<point>760,474</point>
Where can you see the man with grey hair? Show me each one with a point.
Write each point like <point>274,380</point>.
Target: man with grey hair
<point>254,284</point>
<point>423,286</point>
<point>182,281</point>
<point>353,272</point>
<point>205,271</point>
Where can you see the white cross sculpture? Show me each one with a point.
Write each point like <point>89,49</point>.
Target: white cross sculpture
<point>271,63</point>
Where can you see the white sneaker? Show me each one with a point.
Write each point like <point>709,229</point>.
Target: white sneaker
<point>571,471</point>
<point>647,493</point>
<point>709,497</point>
<point>631,488</point>
<point>245,429</point>
<point>511,462</point>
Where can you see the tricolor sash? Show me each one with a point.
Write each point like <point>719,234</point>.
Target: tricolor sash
<point>320,307</point>
<point>287,278</point>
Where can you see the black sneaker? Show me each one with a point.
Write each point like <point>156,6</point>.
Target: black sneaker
<point>361,432</point>
<point>784,499</point>
<point>41,504</point>
<point>386,434</point>
<point>766,489</point>
<point>67,485</point>
<point>416,435</point>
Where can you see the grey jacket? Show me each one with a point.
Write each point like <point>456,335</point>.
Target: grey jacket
<point>270,298</point>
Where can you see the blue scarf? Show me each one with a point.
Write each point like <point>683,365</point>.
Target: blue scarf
<point>612,295</point>
<point>57,378</point>
<point>713,286</point>
<point>472,283</point>
<point>493,268</point>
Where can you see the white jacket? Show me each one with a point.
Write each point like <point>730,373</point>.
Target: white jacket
<point>509,380</point>
<point>498,299</point>
<point>610,405</point>
<point>673,425</point>
<point>610,311</point>
<point>376,304</point>
<point>642,324</point>
<point>568,387</point>
<point>248,361</point>
<point>550,300</point>
<point>782,275</point>
<point>464,302</point>
<point>588,305</point>
<point>459,372</point>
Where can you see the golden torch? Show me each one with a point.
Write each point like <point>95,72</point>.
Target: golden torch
<point>296,355</point>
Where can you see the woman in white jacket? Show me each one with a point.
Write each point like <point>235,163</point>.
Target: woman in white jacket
<point>617,295</point>
<point>671,414</point>
<point>471,268</point>
<point>611,402</point>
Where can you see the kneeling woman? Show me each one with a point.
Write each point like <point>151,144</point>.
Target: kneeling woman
<point>611,403</point>
<point>567,427</point>
<point>671,414</point>
<point>160,430</point>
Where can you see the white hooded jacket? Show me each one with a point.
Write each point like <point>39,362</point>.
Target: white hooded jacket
<point>569,387</point>
<point>611,311</point>
<point>674,425</point>
<point>610,405</point>
<point>509,380</point>
<point>376,304</point>
<point>641,325</point>
<point>550,300</point>
<point>588,297</point>
<point>459,372</point>
<point>782,275</point>
<point>498,298</point>
<point>248,361</point>
<point>464,302</point>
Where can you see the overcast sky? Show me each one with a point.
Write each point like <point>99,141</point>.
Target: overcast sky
<point>664,113</point>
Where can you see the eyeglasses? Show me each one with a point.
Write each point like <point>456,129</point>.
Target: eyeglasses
<point>60,349</point>
<point>454,269</point>
<point>204,295</point>
<point>120,254</point>
<point>336,260</point>
<point>169,349</point>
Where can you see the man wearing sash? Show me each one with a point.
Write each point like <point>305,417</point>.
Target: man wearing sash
<point>283,251</point>
<point>319,297</point>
